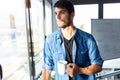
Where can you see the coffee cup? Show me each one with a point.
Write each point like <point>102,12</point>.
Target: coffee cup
<point>61,66</point>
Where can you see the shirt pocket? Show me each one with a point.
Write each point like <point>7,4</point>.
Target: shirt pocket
<point>82,57</point>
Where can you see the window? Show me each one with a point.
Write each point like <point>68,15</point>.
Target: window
<point>112,10</point>
<point>13,40</point>
<point>83,16</point>
<point>48,18</point>
<point>37,34</point>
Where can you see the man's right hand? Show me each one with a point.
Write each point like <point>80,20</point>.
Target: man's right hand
<point>46,74</point>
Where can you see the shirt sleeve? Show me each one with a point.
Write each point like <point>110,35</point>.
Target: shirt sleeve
<point>47,60</point>
<point>94,54</point>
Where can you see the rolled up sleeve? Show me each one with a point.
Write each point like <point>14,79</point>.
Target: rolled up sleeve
<point>48,60</point>
<point>94,53</point>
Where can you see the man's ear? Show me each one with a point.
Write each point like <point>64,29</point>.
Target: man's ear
<point>72,15</point>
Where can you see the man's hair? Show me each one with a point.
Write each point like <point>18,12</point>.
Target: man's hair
<point>65,4</point>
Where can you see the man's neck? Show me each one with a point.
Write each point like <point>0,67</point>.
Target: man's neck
<point>68,32</point>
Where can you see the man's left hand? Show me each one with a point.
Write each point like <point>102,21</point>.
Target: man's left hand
<point>72,69</point>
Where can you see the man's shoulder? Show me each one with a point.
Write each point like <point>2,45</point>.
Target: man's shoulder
<point>83,33</point>
<point>56,34</point>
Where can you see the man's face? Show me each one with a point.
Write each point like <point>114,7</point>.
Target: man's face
<point>63,18</point>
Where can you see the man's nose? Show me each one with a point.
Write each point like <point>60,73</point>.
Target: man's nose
<point>57,16</point>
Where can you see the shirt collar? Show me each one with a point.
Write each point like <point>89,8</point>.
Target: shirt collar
<point>59,33</point>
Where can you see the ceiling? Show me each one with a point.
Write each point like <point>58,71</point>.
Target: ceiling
<point>78,2</point>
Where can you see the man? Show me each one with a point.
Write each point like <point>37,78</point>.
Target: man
<point>69,43</point>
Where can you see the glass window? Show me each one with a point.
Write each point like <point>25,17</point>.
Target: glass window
<point>112,10</point>
<point>83,16</point>
<point>37,34</point>
<point>48,18</point>
<point>13,40</point>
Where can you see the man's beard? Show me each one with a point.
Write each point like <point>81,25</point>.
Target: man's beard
<point>66,24</point>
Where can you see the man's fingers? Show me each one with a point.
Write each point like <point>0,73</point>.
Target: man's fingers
<point>69,69</point>
<point>72,69</point>
<point>70,65</point>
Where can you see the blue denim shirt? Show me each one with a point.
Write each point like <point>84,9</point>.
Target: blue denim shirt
<point>85,52</point>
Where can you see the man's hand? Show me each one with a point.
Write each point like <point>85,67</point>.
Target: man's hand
<point>46,74</point>
<point>72,69</point>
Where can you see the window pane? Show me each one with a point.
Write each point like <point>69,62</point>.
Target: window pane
<point>48,18</point>
<point>83,16</point>
<point>112,10</point>
<point>13,40</point>
<point>38,34</point>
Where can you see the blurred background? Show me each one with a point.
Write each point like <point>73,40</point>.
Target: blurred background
<point>25,23</point>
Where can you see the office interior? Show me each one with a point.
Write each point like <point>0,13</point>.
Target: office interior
<point>24,24</point>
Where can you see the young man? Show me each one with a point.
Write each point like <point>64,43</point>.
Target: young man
<point>71,44</point>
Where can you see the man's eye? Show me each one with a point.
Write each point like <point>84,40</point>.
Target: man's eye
<point>62,12</point>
